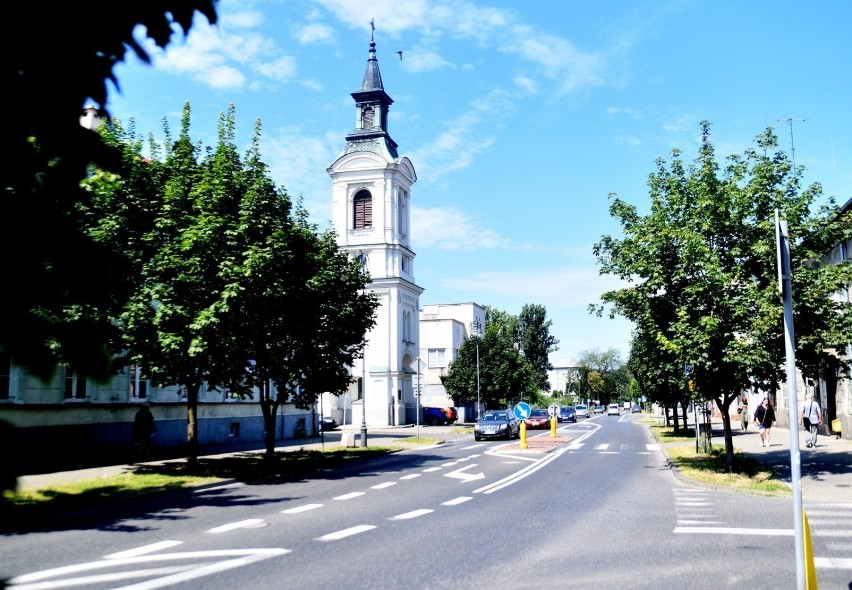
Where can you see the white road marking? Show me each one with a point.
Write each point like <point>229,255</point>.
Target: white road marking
<point>381,486</point>
<point>450,464</point>
<point>602,447</point>
<point>838,563</point>
<point>465,477</point>
<point>240,557</point>
<point>227,486</point>
<point>302,508</point>
<point>346,532</point>
<point>411,476</point>
<point>735,531</point>
<point>431,469</point>
<point>456,501</point>
<point>819,533</point>
<point>521,474</point>
<point>349,496</point>
<point>653,447</point>
<point>240,524</point>
<point>412,514</point>
<point>143,550</point>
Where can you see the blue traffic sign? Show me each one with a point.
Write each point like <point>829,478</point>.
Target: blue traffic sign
<point>522,410</point>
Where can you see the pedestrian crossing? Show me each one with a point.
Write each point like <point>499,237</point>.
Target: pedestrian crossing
<point>698,511</point>
<point>610,449</point>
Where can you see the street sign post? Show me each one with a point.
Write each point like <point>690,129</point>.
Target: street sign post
<point>522,411</point>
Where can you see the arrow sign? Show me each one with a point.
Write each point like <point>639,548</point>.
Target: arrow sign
<point>522,410</point>
<point>465,477</point>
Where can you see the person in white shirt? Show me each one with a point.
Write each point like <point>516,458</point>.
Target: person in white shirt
<point>811,419</point>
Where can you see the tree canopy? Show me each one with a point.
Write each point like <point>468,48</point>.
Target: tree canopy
<point>702,275</point>
<point>57,58</point>
<point>237,291</point>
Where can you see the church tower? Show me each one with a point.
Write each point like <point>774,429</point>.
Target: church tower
<point>371,205</point>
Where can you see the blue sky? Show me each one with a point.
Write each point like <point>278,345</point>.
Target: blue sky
<point>520,118</point>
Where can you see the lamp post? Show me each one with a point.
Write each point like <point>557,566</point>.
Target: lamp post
<point>362,259</point>
<point>364,397</point>
<point>476,329</point>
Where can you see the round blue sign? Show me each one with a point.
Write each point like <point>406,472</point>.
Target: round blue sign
<point>522,410</point>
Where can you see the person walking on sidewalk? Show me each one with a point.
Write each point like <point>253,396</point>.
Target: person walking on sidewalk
<point>764,416</point>
<point>743,412</point>
<point>811,420</point>
<point>143,429</point>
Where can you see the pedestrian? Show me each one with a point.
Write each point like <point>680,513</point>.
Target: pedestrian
<point>811,419</point>
<point>764,416</point>
<point>143,429</point>
<point>743,412</point>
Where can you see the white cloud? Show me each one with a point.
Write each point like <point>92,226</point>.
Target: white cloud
<point>313,33</point>
<point>451,229</point>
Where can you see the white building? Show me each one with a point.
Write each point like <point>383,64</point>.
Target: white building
<point>371,206</point>
<point>443,330</point>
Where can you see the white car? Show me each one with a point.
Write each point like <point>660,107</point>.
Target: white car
<point>613,410</point>
<point>581,411</point>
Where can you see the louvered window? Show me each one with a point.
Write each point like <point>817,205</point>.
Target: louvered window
<point>363,206</point>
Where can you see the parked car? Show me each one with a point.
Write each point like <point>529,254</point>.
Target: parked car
<point>635,409</point>
<point>452,414</point>
<point>538,418</point>
<point>435,416</point>
<point>327,423</point>
<point>599,409</point>
<point>566,414</point>
<point>581,411</point>
<point>613,410</point>
<point>497,424</point>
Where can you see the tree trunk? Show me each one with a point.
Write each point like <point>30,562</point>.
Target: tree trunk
<point>726,422</point>
<point>192,426</point>
<point>269,407</point>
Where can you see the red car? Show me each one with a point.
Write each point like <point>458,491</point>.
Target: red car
<point>538,419</point>
<point>452,414</point>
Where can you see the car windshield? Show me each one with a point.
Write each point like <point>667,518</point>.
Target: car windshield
<point>582,407</point>
<point>494,417</point>
<point>539,413</point>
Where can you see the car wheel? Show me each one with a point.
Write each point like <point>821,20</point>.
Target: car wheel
<point>477,438</point>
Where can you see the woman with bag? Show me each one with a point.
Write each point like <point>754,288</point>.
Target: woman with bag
<point>743,412</point>
<point>764,416</point>
<point>811,420</point>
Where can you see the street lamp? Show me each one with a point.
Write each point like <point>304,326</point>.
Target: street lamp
<point>362,260</point>
<point>476,328</point>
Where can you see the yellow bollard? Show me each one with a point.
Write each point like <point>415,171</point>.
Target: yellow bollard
<point>553,427</point>
<point>523,435</point>
<point>810,570</point>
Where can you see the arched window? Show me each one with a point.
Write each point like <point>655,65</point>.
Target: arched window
<point>363,209</point>
<point>367,122</point>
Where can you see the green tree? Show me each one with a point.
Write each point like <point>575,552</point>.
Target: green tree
<point>505,375</point>
<point>707,250</point>
<point>534,335</point>
<point>56,59</point>
<point>601,374</point>
<point>298,315</point>
<point>237,291</point>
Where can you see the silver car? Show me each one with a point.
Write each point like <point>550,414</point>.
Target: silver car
<point>581,411</point>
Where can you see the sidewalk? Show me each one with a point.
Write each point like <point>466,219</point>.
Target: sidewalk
<point>825,471</point>
<point>330,440</point>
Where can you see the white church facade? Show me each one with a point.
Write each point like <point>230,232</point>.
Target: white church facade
<point>371,207</point>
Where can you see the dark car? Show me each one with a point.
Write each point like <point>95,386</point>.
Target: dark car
<point>566,414</point>
<point>327,423</point>
<point>635,409</point>
<point>497,424</point>
<point>538,418</point>
<point>435,416</point>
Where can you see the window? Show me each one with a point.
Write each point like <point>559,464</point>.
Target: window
<point>75,385</point>
<point>437,357</point>
<point>402,216</point>
<point>5,375</point>
<point>406,326</point>
<point>367,121</point>
<point>363,209</point>
<point>138,383</point>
